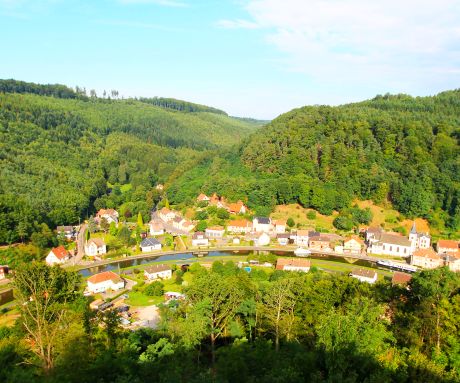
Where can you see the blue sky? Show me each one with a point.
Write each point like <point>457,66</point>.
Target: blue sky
<point>255,58</point>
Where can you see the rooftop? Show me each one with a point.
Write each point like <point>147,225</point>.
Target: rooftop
<point>157,268</point>
<point>295,262</point>
<point>105,276</point>
<point>364,273</point>
<point>150,242</point>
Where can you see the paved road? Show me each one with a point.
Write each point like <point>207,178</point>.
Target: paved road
<point>80,245</point>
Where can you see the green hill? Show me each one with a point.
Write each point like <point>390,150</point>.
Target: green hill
<point>60,149</point>
<point>399,149</point>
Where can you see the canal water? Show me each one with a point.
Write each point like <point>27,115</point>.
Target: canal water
<point>189,257</point>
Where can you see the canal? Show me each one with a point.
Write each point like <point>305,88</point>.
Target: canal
<point>189,257</point>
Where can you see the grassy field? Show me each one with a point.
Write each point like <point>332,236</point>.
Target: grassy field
<point>386,217</point>
<point>8,318</point>
<point>137,298</point>
<point>299,215</point>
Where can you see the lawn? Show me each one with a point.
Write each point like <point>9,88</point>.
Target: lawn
<point>8,318</point>
<point>136,298</point>
<point>345,267</point>
<point>299,215</point>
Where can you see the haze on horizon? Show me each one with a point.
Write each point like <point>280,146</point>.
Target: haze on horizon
<point>252,58</point>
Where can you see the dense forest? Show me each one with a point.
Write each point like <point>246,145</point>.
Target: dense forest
<point>60,156</point>
<point>391,149</point>
<point>183,106</point>
<point>235,326</point>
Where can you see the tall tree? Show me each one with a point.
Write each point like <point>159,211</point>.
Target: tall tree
<point>43,294</point>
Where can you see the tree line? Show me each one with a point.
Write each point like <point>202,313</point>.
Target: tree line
<point>237,326</point>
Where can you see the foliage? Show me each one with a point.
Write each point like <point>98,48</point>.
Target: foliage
<point>154,289</point>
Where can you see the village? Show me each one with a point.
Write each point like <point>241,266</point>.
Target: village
<point>135,293</point>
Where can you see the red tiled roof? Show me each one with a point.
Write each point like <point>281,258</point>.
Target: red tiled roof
<point>426,253</point>
<point>448,244</point>
<point>401,278</point>
<point>60,252</point>
<point>364,273</point>
<point>296,262</point>
<point>104,276</point>
<point>239,223</point>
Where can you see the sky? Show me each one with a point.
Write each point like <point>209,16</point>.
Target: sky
<point>251,58</point>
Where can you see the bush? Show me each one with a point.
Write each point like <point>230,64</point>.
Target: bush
<point>155,289</point>
<point>222,214</point>
<point>311,214</point>
<point>343,223</point>
<point>290,222</point>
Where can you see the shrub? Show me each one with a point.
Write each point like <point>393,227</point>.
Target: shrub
<point>155,289</point>
<point>290,222</point>
<point>311,214</point>
<point>343,223</point>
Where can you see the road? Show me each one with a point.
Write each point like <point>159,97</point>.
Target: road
<point>80,245</point>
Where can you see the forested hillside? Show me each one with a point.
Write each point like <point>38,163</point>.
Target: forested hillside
<point>393,148</point>
<point>58,155</point>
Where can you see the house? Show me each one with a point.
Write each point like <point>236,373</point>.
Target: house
<point>4,270</point>
<point>419,240</point>
<point>320,243</point>
<point>188,226</point>
<point>262,240</point>
<point>94,305</point>
<point>262,224</point>
<point>215,232</point>
<point>111,215</point>
<point>353,245</point>
<point>293,264</point>
<point>453,263</point>
<point>283,238</point>
<point>426,258</point>
<point>199,239</point>
<point>220,202</point>
<point>448,246</point>
<point>301,237</point>
<point>237,208</point>
<point>173,296</point>
<point>150,244</point>
<point>178,221</point>
<point>95,246</point>
<point>156,228</point>
<point>364,275</point>
<point>203,198</point>
<point>166,215</point>
<point>57,255</point>
<point>400,278</point>
<point>280,226</point>
<point>107,280</point>
<point>372,232</point>
<point>390,244</point>
<point>239,226</point>
<point>68,231</point>
<point>155,272</point>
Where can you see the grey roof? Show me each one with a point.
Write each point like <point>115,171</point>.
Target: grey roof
<point>284,235</point>
<point>157,268</point>
<point>149,242</point>
<point>263,220</point>
<point>393,239</point>
<point>64,228</point>
<point>414,229</point>
<point>375,229</point>
<point>364,273</point>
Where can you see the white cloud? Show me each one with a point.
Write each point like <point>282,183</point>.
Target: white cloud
<point>166,3</point>
<point>237,24</point>
<point>390,43</point>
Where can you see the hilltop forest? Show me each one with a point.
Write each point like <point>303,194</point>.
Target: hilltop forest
<point>391,149</point>
<point>63,155</point>
<point>61,152</point>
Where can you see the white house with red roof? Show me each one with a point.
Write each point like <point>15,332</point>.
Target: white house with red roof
<point>95,247</point>
<point>156,228</point>
<point>203,198</point>
<point>107,280</point>
<point>166,215</point>
<point>57,255</point>
<point>293,264</point>
<point>111,215</point>
<point>279,226</point>
<point>239,226</point>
